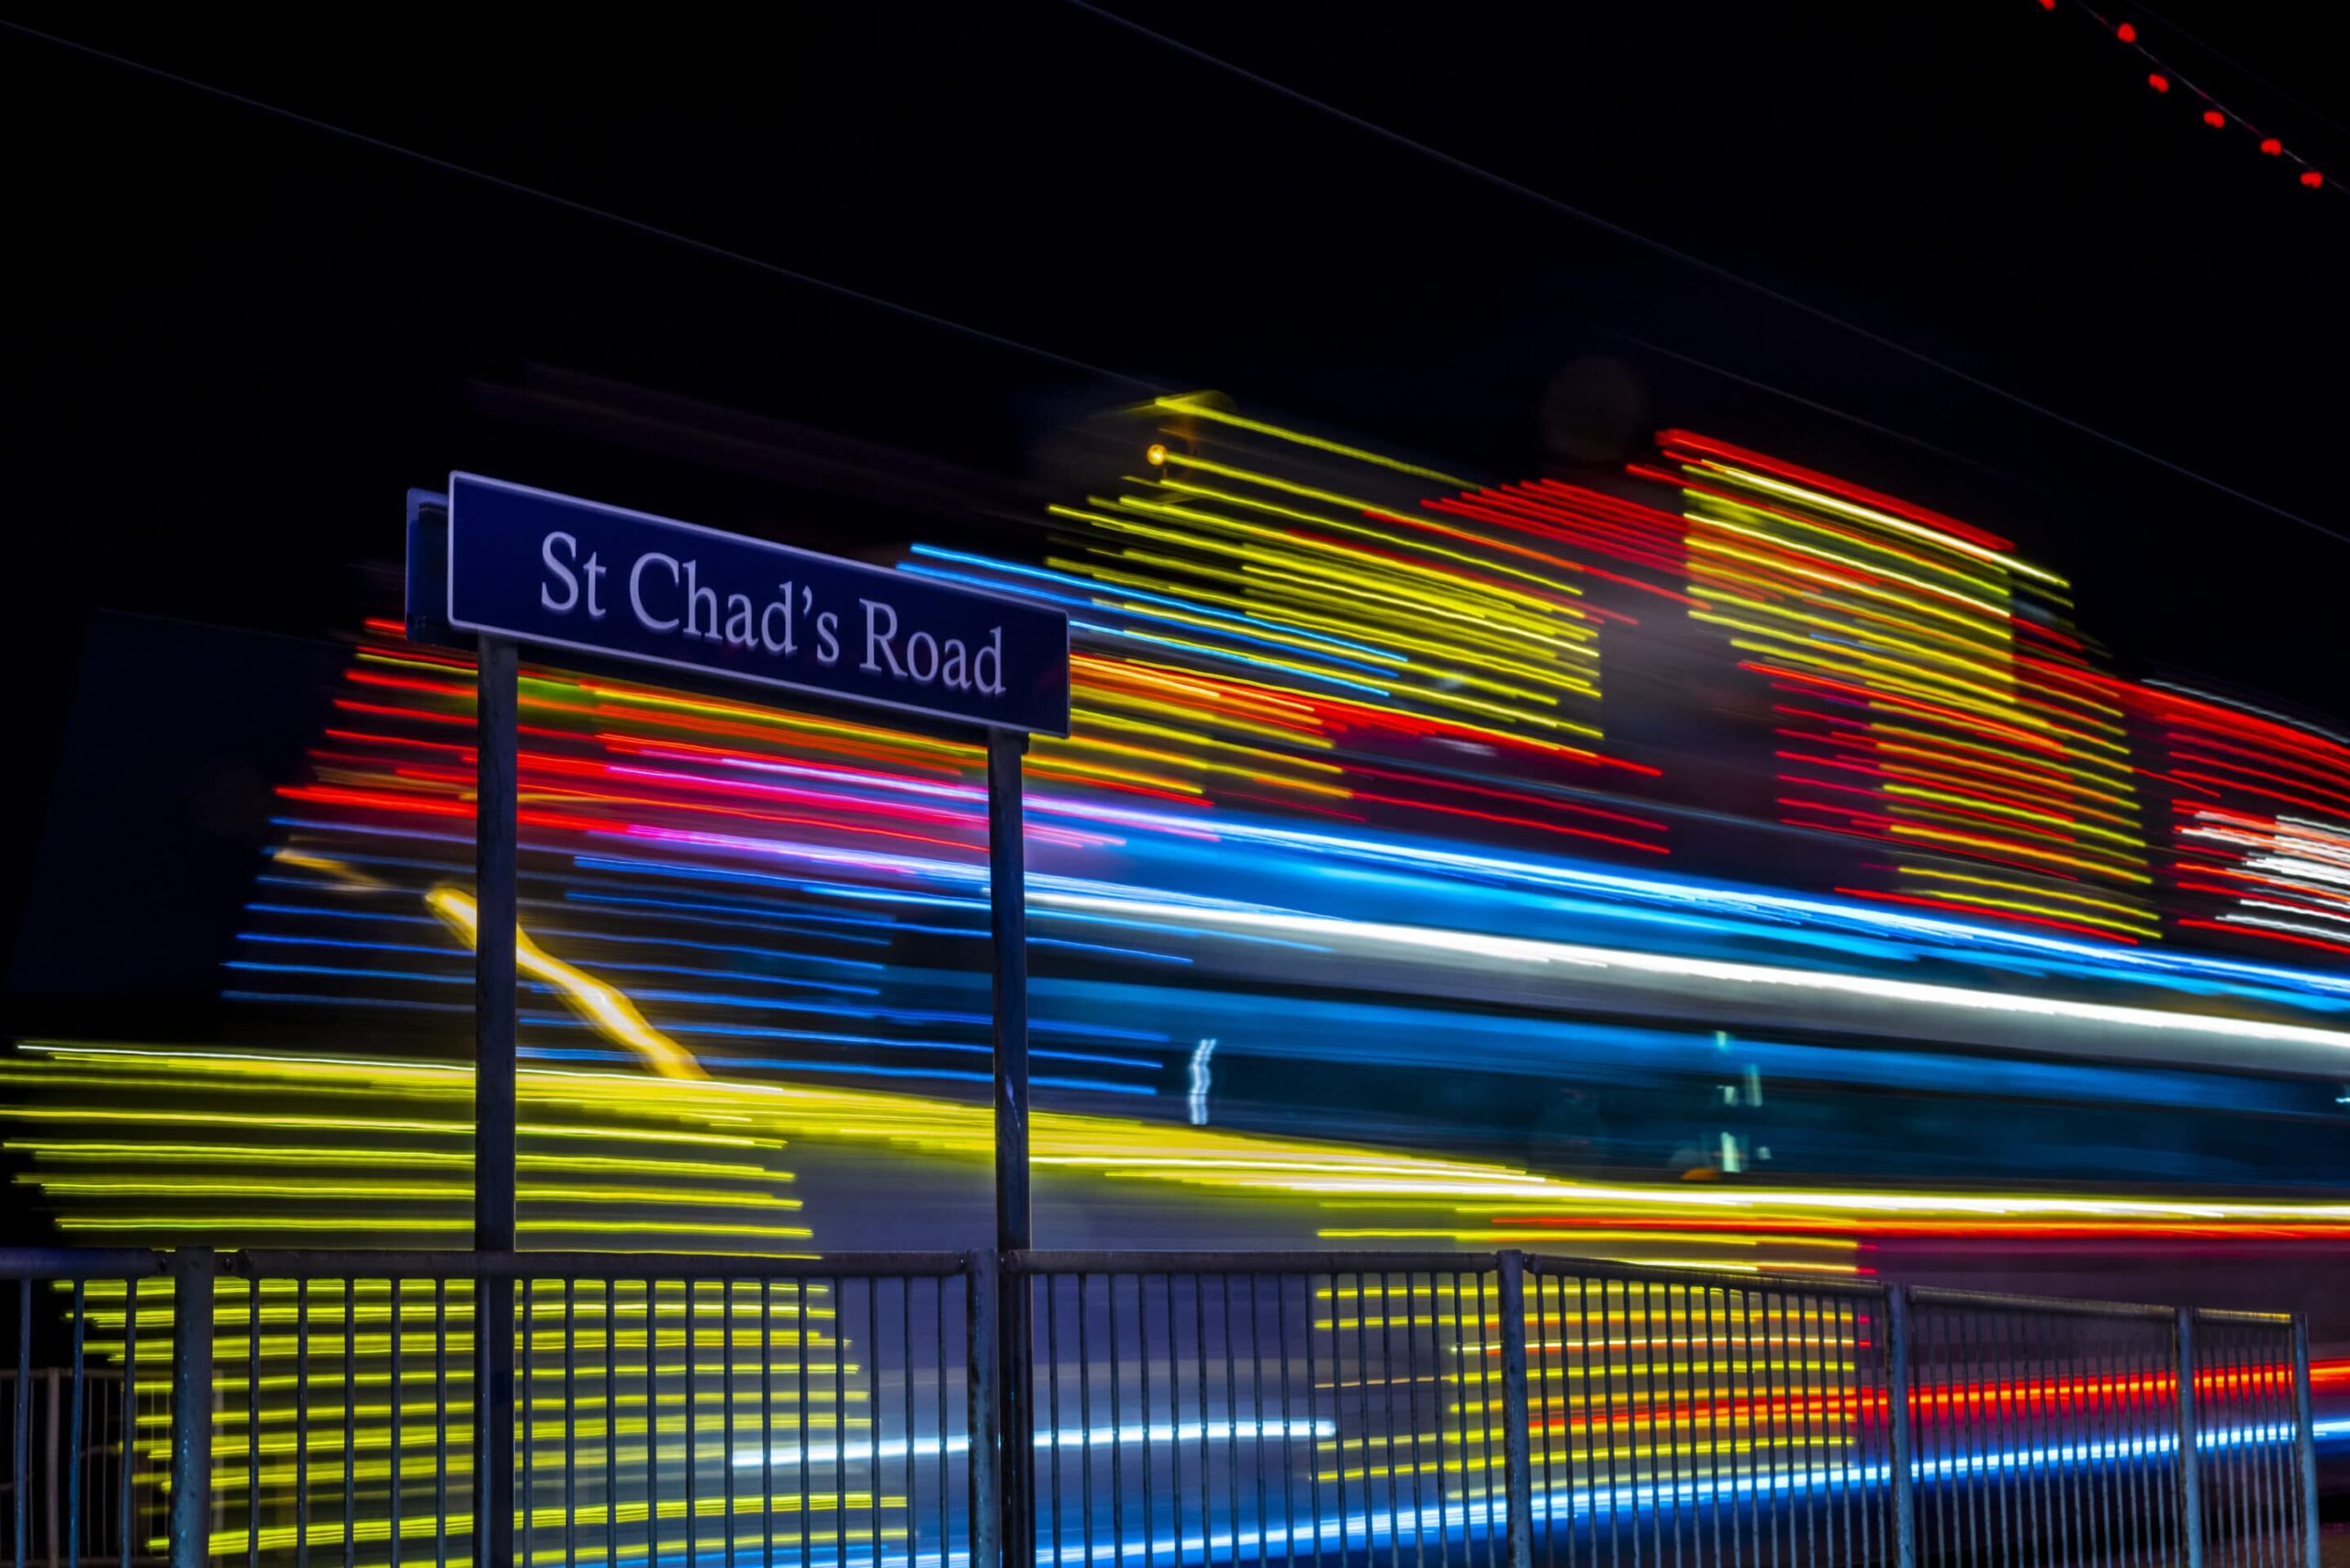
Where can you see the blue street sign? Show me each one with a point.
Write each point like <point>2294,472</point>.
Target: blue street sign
<point>556,572</point>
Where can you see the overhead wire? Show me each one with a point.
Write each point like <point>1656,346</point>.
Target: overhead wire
<point>1688,258</point>
<point>571,204</point>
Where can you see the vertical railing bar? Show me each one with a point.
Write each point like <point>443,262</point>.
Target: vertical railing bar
<point>2253,1515</point>
<point>1934,1378</point>
<point>906,1384</point>
<point>2148,1535</point>
<point>130,1427</point>
<point>691,1290</point>
<point>610,1291</point>
<point>840,1429</point>
<point>525,1299</point>
<point>1828,1466</point>
<point>2226,1497</point>
<point>2057,1478</point>
<point>1312,1421</point>
<point>1810,1361</point>
<point>1868,1383</point>
<point>350,1423</point>
<point>1231,1409</point>
<point>2281,1443</point>
<point>872,1423</point>
<point>1820,1474</point>
<point>652,1423</point>
<point>766,1426</point>
<point>1721,1502</point>
<point>1782,1408</point>
<point>1761,1527</point>
<point>1256,1401</point>
<point>2031,1496</point>
<point>985,1504</point>
<point>1149,1446</point>
<point>1339,1393</point>
<point>2131,1392</point>
<point>394,1287</point>
<point>1663,1505</point>
<point>2108,1439</point>
<point>946,1511</point>
<point>1288,1429</point>
<point>1469,1462</point>
<point>1200,1386</point>
<point>2247,1428</point>
<point>648,1293</point>
<point>1050,1285</point>
<point>1174,1419</point>
<point>1664,1462</point>
<point>1898,1418</point>
<point>1510,1285</point>
<point>20,1458</point>
<point>2305,1441</point>
<point>1085,1419</point>
<point>72,1455</point>
<point>1387,1402</point>
<point>1599,1409</point>
<point>1482,1404</point>
<point>570,1422</point>
<point>726,1418</point>
<point>2099,1449</point>
<point>2053,1474</point>
<point>1998,1448</point>
<point>1946,1404</point>
<point>2071,1447</point>
<point>1538,1359</point>
<point>192,1309</point>
<point>2118,1432</point>
<point>440,1423</point>
<point>2244,1479</point>
<point>993,1520</point>
<point>1117,1427</point>
<point>2250,1439</point>
<point>2006,1444</point>
<point>302,1423</point>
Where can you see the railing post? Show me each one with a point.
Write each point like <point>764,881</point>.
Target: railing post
<point>1896,1422</point>
<point>1517,1418</point>
<point>193,1270</point>
<point>979,1375</point>
<point>2190,1469</point>
<point>2305,1440</point>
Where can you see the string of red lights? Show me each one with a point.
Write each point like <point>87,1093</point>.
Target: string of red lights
<point>2161,77</point>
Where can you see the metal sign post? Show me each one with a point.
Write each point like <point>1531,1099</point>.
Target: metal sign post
<point>1008,921</point>
<point>492,565</point>
<point>496,832</point>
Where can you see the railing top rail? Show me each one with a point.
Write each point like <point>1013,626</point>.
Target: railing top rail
<point>1992,1301</point>
<point>405,1263</point>
<point>82,1263</point>
<point>1049,1261</point>
<point>1718,1279</point>
<point>330,1264</point>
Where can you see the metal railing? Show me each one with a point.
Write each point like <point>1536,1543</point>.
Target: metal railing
<point>1494,1409</point>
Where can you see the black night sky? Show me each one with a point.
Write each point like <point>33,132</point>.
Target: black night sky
<point>236,339</point>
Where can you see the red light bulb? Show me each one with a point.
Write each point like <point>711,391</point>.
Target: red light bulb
<point>2158,81</point>
<point>2214,117</point>
<point>2272,146</point>
<point>2311,178</point>
<point>2126,33</point>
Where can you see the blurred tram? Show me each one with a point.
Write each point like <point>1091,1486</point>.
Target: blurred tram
<point>1722,864</point>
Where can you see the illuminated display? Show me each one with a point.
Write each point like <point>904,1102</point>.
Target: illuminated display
<point>1366,794</point>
